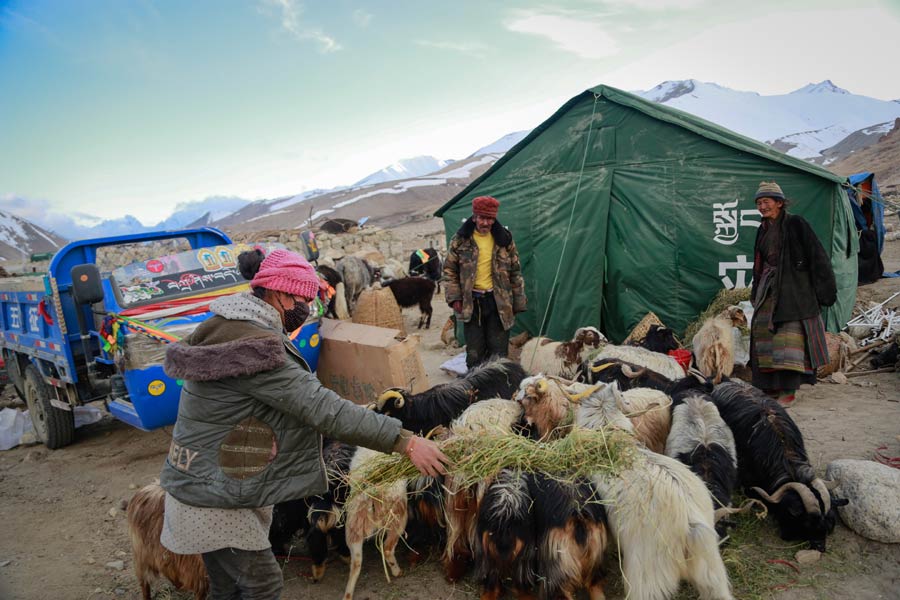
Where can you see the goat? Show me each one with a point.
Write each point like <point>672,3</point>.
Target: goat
<point>630,376</point>
<point>701,440</point>
<point>659,339</point>
<point>648,411</point>
<point>570,521</point>
<point>550,407</point>
<point>773,465</point>
<point>356,274</point>
<point>319,515</point>
<point>505,529</point>
<point>462,503</point>
<point>660,512</point>
<point>412,291</point>
<point>151,560</point>
<point>665,365</point>
<point>560,359</point>
<point>366,516</point>
<point>713,344</point>
<point>441,404</point>
<point>333,278</point>
<point>426,263</point>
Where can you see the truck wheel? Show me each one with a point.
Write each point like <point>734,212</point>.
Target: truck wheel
<point>54,426</point>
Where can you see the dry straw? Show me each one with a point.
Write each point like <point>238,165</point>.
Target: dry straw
<point>478,457</point>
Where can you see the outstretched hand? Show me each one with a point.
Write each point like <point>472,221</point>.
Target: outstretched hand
<point>426,456</point>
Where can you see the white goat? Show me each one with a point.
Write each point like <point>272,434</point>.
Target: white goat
<point>560,359</point>
<point>713,344</point>
<point>661,515</point>
<point>366,516</point>
<point>663,364</point>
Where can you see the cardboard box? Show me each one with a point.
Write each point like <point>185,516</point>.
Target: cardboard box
<point>361,361</point>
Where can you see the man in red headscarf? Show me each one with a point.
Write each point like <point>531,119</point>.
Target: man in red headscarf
<point>484,281</point>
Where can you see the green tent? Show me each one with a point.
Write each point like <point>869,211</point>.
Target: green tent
<point>632,206</point>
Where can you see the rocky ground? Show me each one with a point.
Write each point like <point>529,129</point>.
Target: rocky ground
<point>64,533</point>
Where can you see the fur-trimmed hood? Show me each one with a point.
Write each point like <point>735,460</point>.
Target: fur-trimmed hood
<point>240,339</point>
<point>502,236</point>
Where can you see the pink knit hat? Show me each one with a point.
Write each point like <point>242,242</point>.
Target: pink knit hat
<point>288,272</point>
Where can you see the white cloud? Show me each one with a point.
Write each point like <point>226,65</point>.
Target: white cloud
<point>470,48</point>
<point>575,34</point>
<point>291,10</point>
<point>659,4</point>
<point>361,17</point>
<point>796,51</point>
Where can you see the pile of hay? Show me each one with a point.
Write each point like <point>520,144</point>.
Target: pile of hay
<point>378,307</point>
<point>582,453</point>
<point>723,300</point>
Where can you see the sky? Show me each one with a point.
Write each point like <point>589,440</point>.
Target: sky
<point>119,107</point>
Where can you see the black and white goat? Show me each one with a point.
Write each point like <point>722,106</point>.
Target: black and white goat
<point>701,440</point>
<point>660,363</point>
<point>773,464</point>
<point>560,359</point>
<point>659,339</point>
<point>414,291</point>
<point>441,404</point>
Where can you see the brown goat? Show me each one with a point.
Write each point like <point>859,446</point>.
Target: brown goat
<point>151,558</point>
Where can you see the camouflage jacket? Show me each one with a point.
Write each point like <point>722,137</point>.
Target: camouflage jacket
<point>461,265</point>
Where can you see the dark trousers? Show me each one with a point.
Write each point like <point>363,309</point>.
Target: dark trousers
<point>485,336</point>
<point>243,574</point>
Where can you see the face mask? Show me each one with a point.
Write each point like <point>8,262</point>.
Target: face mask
<point>295,317</point>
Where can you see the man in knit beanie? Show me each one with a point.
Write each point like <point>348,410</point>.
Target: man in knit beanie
<point>484,281</point>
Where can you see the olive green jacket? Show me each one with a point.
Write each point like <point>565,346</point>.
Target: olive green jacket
<point>462,264</point>
<point>251,416</point>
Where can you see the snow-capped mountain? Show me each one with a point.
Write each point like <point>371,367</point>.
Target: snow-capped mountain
<point>404,169</point>
<point>502,145</point>
<point>802,123</point>
<point>20,238</point>
<point>208,210</point>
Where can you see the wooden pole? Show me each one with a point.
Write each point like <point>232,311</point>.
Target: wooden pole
<point>873,372</point>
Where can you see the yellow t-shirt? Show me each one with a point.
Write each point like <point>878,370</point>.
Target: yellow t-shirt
<point>483,279</point>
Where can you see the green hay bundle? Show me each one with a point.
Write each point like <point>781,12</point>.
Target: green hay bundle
<point>474,458</point>
<point>723,300</point>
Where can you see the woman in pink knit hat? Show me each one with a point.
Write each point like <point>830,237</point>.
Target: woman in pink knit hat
<point>250,425</point>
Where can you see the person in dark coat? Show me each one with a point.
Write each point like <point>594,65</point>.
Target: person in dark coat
<point>250,425</point>
<point>792,280</point>
<point>485,287</point>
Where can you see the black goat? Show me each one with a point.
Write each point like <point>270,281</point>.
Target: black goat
<point>572,534</point>
<point>629,376</point>
<point>318,515</point>
<point>887,357</point>
<point>504,533</point>
<point>412,291</point>
<point>441,404</point>
<point>773,464</point>
<point>333,278</point>
<point>430,268</point>
<point>659,339</point>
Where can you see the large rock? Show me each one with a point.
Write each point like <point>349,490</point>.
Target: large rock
<point>874,493</point>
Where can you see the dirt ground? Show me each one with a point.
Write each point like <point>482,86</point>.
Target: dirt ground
<point>64,535</point>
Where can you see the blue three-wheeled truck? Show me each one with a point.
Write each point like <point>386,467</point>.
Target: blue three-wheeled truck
<point>77,335</point>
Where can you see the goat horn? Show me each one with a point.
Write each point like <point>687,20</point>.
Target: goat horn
<point>576,398</point>
<point>389,395</point>
<point>809,500</point>
<point>831,484</point>
<point>630,374</point>
<point>599,368</point>
<point>819,485</point>
<point>727,510</point>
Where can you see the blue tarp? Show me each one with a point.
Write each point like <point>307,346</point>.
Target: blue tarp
<point>877,203</point>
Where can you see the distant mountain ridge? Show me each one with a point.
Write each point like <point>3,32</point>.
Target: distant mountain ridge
<point>20,238</point>
<point>804,123</point>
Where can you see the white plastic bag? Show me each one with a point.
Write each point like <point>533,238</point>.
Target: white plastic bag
<point>13,425</point>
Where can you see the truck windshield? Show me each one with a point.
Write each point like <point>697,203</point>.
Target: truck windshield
<point>200,272</point>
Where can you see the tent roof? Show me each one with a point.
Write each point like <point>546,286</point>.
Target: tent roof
<point>664,113</point>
